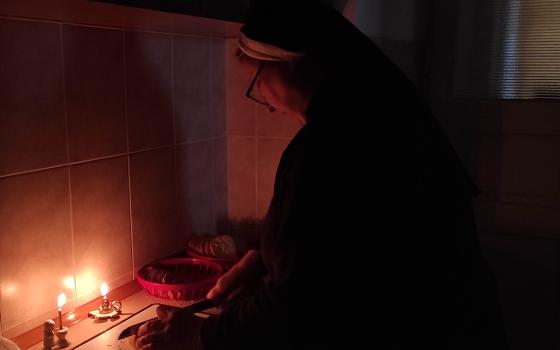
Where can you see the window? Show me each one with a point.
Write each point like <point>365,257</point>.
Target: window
<point>508,49</point>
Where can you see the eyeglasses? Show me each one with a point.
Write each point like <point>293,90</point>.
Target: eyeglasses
<point>254,95</point>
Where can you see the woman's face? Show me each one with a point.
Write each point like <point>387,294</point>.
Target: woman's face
<point>273,84</point>
<point>277,85</point>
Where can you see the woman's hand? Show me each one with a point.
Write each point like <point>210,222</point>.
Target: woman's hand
<point>174,329</point>
<point>244,274</point>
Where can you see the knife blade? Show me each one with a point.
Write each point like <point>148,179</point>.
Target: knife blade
<point>193,308</point>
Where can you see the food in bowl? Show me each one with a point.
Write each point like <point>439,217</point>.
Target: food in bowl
<point>217,247</point>
<point>179,278</point>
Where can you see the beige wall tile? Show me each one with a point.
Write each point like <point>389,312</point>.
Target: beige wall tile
<point>240,110</point>
<point>93,63</point>
<point>149,91</point>
<point>101,218</point>
<point>218,86</point>
<point>242,177</point>
<point>192,79</point>
<point>484,160</point>
<point>530,165</point>
<point>154,214</point>
<point>35,247</point>
<point>32,123</point>
<point>220,180</point>
<point>196,188</point>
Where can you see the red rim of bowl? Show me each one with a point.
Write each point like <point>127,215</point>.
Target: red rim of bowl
<point>194,261</point>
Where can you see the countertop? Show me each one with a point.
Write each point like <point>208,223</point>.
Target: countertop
<point>88,327</point>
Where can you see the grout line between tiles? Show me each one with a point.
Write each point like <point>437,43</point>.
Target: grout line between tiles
<point>206,139</point>
<point>1,312</point>
<point>130,228</point>
<point>84,161</point>
<point>173,89</point>
<point>68,172</point>
<point>214,127</point>
<point>213,179</point>
<point>74,267</point>
<point>174,125</point>
<point>150,149</point>
<point>254,110</point>
<point>226,109</point>
<point>256,162</point>
<point>65,110</point>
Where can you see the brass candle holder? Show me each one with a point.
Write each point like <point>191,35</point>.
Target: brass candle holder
<point>107,309</point>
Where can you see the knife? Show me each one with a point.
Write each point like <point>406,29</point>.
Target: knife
<point>193,308</point>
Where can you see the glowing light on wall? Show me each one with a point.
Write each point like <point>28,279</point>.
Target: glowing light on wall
<point>69,283</point>
<point>9,289</point>
<point>87,283</point>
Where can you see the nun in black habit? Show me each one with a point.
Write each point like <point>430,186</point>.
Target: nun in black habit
<point>369,241</point>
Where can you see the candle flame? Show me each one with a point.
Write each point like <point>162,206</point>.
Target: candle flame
<point>104,289</point>
<point>61,300</point>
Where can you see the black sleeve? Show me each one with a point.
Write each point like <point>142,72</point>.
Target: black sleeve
<point>294,223</point>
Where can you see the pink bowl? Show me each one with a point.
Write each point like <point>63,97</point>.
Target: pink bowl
<point>191,278</point>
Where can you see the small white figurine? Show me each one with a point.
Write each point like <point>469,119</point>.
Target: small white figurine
<point>48,334</point>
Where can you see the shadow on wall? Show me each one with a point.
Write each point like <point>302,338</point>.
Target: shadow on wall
<point>527,274</point>
<point>337,4</point>
<point>526,267</point>
<point>245,231</point>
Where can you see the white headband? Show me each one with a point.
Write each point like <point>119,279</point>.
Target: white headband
<point>265,52</point>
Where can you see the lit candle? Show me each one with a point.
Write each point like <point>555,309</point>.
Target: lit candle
<point>61,302</point>
<point>105,302</point>
<point>104,290</point>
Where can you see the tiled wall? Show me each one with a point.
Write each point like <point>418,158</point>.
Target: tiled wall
<point>112,149</point>
<point>510,148</point>
<point>256,140</point>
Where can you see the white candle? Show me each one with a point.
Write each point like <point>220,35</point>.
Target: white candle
<point>104,290</point>
<point>61,302</point>
<point>104,302</point>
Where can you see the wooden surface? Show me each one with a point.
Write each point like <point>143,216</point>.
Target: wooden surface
<point>34,336</point>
